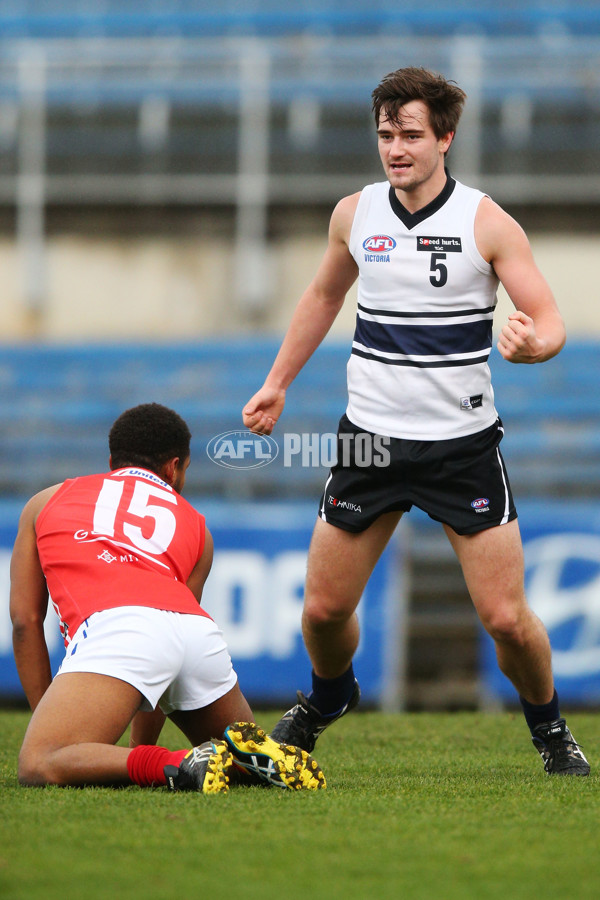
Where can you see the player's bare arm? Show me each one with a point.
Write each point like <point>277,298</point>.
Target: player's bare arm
<point>535,332</point>
<point>316,311</point>
<point>29,603</point>
<point>200,572</point>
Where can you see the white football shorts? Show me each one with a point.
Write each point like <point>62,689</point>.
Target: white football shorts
<point>175,660</point>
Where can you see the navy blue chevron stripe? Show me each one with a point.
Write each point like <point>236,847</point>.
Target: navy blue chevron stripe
<point>424,340</point>
<point>450,314</point>
<point>420,364</point>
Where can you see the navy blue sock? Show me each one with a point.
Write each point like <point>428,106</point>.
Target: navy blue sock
<point>537,715</point>
<point>329,695</point>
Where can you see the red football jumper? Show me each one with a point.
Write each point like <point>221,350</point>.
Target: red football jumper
<point>122,538</point>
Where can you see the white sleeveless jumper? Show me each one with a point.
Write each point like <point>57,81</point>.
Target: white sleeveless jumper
<point>426,300</point>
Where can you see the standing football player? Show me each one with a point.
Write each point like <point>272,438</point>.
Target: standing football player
<point>428,252</point>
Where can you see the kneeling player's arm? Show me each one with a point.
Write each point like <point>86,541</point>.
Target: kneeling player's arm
<point>199,573</point>
<point>146,727</point>
<point>28,608</point>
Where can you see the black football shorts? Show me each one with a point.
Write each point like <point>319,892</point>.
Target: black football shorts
<point>461,482</point>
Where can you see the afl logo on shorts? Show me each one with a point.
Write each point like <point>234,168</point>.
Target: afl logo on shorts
<point>482,504</point>
<point>379,243</point>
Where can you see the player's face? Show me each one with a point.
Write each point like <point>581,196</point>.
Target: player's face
<point>410,152</point>
<point>179,476</point>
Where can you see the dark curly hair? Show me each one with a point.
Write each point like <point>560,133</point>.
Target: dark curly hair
<point>148,435</point>
<point>444,99</point>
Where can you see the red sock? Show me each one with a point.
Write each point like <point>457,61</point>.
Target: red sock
<point>145,764</point>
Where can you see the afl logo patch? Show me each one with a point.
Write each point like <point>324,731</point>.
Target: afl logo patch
<point>242,450</point>
<point>379,243</point>
<point>480,503</point>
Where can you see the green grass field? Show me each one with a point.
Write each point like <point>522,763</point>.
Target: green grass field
<point>419,806</point>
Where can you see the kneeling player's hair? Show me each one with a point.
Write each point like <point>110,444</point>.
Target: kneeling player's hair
<point>148,435</point>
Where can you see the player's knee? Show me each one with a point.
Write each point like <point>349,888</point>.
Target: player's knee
<point>505,626</point>
<point>34,769</point>
<point>29,772</point>
<point>320,613</point>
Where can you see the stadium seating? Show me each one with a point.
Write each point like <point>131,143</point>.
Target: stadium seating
<point>57,403</point>
<point>138,97</point>
<point>128,18</point>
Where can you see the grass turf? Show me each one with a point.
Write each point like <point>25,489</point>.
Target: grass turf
<point>452,806</point>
